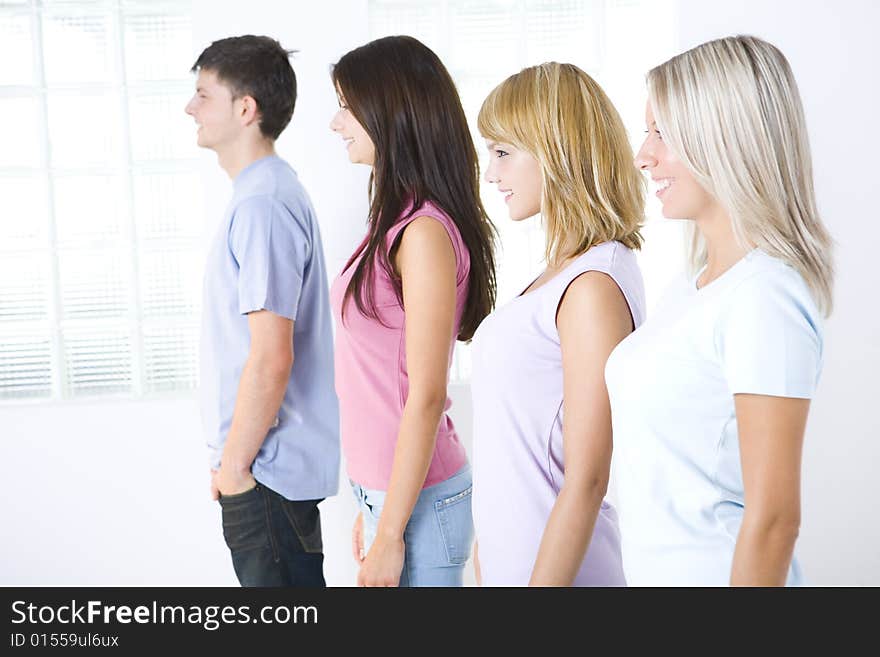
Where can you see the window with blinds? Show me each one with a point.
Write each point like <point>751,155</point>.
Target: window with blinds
<point>484,42</point>
<point>99,255</point>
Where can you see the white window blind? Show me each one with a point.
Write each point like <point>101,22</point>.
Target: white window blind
<point>100,263</point>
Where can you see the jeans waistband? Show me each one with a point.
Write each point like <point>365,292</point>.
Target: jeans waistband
<point>378,496</point>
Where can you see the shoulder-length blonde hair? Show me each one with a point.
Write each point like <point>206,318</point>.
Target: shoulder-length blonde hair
<point>591,191</point>
<point>730,110</point>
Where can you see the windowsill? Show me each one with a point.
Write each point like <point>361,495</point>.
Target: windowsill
<point>189,396</point>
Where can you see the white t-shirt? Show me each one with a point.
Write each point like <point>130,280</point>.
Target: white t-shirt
<point>755,329</point>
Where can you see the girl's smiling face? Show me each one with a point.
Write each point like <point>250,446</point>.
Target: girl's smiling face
<point>681,196</point>
<point>361,149</point>
<point>518,176</point>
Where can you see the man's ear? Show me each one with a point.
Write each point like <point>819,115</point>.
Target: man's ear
<point>250,112</point>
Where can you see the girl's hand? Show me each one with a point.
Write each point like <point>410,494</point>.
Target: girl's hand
<point>383,563</point>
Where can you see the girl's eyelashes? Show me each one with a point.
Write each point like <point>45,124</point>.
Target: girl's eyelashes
<point>500,153</point>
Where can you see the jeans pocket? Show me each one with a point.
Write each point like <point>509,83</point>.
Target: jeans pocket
<point>374,510</point>
<point>456,525</point>
<point>238,497</point>
<point>305,518</point>
<point>245,523</point>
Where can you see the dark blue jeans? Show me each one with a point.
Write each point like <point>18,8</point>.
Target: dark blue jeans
<point>274,541</point>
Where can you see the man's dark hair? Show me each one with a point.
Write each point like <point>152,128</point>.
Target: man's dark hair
<point>255,66</point>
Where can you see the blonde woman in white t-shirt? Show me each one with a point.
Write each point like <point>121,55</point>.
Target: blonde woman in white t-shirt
<point>710,397</point>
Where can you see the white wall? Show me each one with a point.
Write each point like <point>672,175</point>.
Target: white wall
<point>116,493</point>
<point>112,493</point>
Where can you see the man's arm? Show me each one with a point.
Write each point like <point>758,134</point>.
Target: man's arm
<point>260,392</point>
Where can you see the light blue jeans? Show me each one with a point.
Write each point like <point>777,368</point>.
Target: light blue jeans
<point>438,535</point>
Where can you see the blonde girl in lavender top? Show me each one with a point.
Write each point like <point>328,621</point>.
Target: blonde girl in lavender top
<point>542,422</point>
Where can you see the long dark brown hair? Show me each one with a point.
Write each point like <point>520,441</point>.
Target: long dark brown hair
<point>406,101</point>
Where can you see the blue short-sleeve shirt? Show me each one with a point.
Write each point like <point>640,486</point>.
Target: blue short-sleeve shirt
<point>267,255</point>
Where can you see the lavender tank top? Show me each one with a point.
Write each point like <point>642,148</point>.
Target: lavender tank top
<point>517,389</point>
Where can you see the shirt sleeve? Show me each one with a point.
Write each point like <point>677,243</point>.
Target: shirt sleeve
<point>272,251</point>
<point>770,340</point>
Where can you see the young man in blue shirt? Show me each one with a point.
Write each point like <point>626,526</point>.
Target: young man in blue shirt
<point>268,400</point>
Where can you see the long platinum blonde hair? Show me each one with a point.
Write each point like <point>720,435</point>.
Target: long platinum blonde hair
<point>561,116</point>
<point>731,111</point>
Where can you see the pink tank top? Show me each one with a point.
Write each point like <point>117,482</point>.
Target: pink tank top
<point>371,375</point>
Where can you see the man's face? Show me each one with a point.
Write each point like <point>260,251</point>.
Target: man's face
<point>215,112</point>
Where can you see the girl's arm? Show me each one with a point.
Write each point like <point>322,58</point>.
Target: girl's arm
<point>593,317</point>
<point>426,262</point>
<point>478,575</point>
<point>771,435</point>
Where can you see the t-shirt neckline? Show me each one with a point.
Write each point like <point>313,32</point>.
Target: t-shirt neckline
<point>727,275</point>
